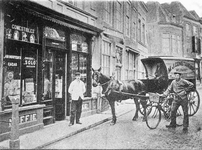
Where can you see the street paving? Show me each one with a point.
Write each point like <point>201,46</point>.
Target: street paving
<point>127,134</point>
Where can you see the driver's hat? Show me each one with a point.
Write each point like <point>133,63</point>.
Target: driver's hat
<point>178,72</point>
<point>77,73</point>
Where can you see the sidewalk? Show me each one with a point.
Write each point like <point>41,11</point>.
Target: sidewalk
<point>60,130</point>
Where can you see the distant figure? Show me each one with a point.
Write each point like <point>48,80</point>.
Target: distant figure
<point>47,88</point>
<point>159,71</point>
<point>76,89</point>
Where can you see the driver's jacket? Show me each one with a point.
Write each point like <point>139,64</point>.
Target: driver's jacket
<point>181,88</point>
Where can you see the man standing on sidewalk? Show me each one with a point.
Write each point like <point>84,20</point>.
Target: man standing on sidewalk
<point>76,89</point>
<point>181,88</point>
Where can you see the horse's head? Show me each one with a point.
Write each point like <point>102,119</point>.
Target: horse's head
<point>96,76</point>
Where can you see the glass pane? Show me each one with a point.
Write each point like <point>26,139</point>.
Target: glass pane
<point>11,72</point>
<point>75,63</point>
<point>48,71</point>
<point>29,78</point>
<point>83,68</point>
<point>60,69</point>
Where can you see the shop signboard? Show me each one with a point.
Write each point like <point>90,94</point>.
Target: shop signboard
<point>186,67</point>
<point>21,33</point>
<point>25,118</point>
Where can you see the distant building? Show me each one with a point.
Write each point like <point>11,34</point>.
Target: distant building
<point>123,40</point>
<point>174,31</point>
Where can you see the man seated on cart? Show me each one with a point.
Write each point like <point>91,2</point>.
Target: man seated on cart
<point>181,88</point>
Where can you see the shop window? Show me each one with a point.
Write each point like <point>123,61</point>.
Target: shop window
<point>20,56</point>
<point>79,56</point>
<point>79,63</point>
<point>20,71</point>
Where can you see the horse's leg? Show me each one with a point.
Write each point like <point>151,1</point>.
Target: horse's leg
<point>144,104</point>
<point>137,109</point>
<point>112,104</point>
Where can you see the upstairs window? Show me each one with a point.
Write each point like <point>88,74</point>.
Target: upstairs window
<point>106,57</point>
<point>139,30</point>
<point>108,12</point>
<point>119,16</point>
<point>127,19</point>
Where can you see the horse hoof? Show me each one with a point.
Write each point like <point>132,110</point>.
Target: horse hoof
<point>112,123</point>
<point>134,119</point>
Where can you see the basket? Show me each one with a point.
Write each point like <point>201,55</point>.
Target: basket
<point>153,97</point>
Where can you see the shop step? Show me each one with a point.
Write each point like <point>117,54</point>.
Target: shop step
<point>48,117</point>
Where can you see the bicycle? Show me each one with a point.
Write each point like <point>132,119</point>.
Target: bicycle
<point>159,104</point>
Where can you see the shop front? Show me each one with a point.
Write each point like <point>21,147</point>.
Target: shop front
<point>40,56</point>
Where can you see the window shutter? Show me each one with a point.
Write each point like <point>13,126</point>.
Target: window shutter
<point>193,44</point>
<point>199,46</point>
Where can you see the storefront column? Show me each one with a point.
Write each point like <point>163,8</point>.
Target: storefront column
<point>1,51</point>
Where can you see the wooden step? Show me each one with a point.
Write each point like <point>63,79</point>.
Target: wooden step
<point>48,117</point>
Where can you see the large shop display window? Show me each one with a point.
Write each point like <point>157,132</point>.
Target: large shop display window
<point>80,56</point>
<point>20,73</point>
<point>20,57</point>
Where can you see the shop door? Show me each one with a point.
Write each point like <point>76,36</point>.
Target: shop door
<point>59,86</point>
<point>54,84</point>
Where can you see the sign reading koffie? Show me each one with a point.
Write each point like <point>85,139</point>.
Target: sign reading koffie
<point>20,33</point>
<point>25,118</point>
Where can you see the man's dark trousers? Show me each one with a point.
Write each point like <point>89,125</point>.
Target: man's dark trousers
<point>76,109</point>
<point>175,105</point>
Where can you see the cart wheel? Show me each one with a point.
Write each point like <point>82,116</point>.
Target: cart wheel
<point>167,112</point>
<point>166,106</point>
<point>154,117</point>
<point>141,109</point>
<point>193,102</point>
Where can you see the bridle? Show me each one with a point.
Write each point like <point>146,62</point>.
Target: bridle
<point>101,84</point>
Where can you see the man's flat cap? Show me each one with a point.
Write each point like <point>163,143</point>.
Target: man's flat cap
<point>77,73</point>
<point>177,72</point>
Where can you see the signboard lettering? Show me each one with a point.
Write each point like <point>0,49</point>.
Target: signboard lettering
<point>21,33</point>
<point>187,68</point>
<point>20,28</point>
<point>25,118</point>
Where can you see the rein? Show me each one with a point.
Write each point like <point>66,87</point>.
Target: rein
<point>107,89</point>
<point>105,82</point>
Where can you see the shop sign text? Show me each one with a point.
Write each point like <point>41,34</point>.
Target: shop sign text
<point>25,118</point>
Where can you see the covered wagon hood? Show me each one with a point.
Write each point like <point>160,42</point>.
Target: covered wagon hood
<point>170,64</point>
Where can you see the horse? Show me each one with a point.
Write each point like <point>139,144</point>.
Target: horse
<point>113,90</point>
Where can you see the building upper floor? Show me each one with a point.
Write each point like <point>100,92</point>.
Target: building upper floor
<point>178,29</point>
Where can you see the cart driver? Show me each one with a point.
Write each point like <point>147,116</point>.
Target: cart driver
<point>181,87</point>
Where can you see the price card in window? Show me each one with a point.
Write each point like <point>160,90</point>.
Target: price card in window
<point>29,87</point>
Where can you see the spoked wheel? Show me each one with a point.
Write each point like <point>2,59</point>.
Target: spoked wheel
<point>167,112</point>
<point>147,103</point>
<point>166,106</point>
<point>193,102</point>
<point>154,117</point>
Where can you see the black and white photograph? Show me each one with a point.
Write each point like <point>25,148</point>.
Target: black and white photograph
<point>100,74</point>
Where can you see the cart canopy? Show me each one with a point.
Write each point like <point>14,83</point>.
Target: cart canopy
<point>166,66</point>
